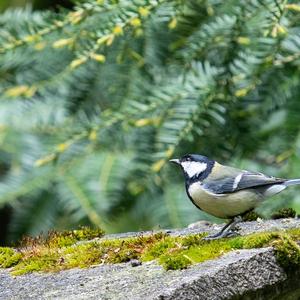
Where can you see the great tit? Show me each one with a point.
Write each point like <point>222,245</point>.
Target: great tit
<point>226,192</point>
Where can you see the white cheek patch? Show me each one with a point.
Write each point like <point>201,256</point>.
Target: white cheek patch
<point>192,167</point>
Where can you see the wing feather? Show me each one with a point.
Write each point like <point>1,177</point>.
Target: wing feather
<point>243,180</point>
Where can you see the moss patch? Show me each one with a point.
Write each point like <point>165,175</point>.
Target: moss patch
<point>251,216</point>
<point>60,251</point>
<point>284,213</point>
<point>287,252</point>
<point>9,257</point>
<point>280,214</point>
<point>56,239</point>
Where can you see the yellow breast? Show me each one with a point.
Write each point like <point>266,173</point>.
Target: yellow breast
<point>223,205</point>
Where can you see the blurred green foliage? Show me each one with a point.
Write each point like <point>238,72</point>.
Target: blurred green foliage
<point>8,3</point>
<point>95,101</point>
<point>36,4</point>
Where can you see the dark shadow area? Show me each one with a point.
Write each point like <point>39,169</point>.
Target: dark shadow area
<point>5,215</point>
<point>37,4</point>
<point>52,4</point>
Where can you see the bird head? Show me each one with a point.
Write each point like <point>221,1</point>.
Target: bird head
<point>194,166</point>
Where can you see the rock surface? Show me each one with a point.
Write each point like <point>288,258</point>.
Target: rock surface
<point>243,274</point>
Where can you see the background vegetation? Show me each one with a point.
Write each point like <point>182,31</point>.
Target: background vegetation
<point>96,100</point>
<point>37,4</point>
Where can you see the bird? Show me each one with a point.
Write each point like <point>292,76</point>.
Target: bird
<point>226,192</point>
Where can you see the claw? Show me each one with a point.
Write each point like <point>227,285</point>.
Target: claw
<point>225,234</point>
<point>229,230</point>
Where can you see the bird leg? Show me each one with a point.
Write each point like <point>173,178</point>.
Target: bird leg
<point>229,230</point>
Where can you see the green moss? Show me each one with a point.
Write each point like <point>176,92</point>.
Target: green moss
<point>193,239</point>
<point>284,213</point>
<point>251,216</point>
<point>287,252</point>
<point>182,258</point>
<point>175,261</point>
<point>155,250</point>
<point>9,257</point>
<point>281,213</point>
<point>43,262</point>
<point>60,251</point>
<point>57,251</point>
<point>81,256</point>
<point>294,234</point>
<point>256,240</point>
<point>64,238</point>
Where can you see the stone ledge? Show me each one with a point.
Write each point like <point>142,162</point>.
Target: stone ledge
<point>205,226</point>
<point>245,272</point>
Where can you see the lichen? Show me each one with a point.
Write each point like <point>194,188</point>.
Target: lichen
<point>60,251</point>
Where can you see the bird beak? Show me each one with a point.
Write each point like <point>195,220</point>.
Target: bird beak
<point>175,161</point>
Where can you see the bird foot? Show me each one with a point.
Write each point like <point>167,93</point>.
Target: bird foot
<point>229,230</point>
<point>225,234</point>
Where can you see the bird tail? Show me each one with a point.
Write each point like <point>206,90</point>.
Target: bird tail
<point>292,182</point>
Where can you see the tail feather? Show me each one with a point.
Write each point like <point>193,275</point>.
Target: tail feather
<point>292,182</point>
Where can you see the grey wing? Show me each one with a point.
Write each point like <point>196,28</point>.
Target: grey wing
<point>243,180</point>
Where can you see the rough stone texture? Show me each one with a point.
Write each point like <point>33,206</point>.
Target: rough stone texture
<point>205,226</point>
<point>251,273</point>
